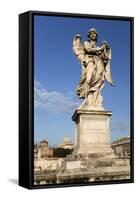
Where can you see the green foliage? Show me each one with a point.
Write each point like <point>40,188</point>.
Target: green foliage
<point>61,153</point>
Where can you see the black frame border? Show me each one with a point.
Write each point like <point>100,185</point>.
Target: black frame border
<point>26,97</point>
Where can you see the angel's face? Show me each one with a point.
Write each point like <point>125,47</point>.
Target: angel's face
<point>93,36</point>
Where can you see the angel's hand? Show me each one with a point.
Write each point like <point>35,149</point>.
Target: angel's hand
<point>102,48</point>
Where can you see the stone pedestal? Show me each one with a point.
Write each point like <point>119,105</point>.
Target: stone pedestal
<point>92,134</point>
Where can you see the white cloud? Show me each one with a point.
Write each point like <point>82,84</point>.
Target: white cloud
<point>53,100</point>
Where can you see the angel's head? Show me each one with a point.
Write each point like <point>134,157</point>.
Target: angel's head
<point>92,34</point>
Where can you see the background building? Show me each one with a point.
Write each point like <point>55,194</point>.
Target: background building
<point>121,146</point>
<point>67,144</point>
<point>42,150</point>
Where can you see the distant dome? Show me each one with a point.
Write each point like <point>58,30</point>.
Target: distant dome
<point>67,140</point>
<point>67,144</point>
<point>44,141</point>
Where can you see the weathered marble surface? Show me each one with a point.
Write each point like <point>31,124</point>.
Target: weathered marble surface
<point>92,134</point>
<point>73,165</point>
<point>86,175</point>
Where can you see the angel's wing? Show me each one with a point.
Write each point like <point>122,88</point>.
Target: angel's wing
<point>79,51</point>
<point>108,76</point>
<point>78,47</point>
<point>110,54</point>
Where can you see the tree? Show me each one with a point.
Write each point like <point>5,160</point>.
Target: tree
<point>62,153</point>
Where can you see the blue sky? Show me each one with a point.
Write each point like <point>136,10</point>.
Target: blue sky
<point>57,73</point>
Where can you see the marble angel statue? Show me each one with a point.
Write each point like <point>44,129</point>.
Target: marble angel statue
<point>95,62</point>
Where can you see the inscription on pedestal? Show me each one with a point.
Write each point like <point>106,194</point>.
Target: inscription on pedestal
<point>93,134</point>
<point>95,130</point>
<point>94,125</point>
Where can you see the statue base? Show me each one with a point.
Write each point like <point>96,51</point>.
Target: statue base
<point>92,134</point>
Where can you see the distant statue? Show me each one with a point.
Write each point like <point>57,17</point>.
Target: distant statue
<point>95,62</point>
